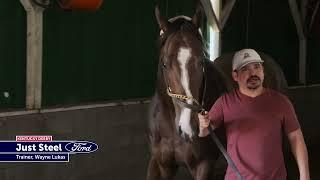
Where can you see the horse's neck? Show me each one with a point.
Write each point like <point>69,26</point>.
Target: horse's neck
<point>162,115</point>
<point>216,84</point>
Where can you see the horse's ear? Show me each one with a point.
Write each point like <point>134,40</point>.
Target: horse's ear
<point>162,22</point>
<point>197,17</point>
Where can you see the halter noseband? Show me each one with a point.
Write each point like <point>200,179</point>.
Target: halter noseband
<point>181,97</point>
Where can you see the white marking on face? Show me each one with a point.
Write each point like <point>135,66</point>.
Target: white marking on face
<point>184,55</point>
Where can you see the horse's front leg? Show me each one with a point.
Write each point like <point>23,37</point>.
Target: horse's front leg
<point>153,170</point>
<point>162,165</point>
<point>202,171</point>
<point>158,171</point>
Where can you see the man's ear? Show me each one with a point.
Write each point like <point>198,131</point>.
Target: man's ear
<point>235,76</point>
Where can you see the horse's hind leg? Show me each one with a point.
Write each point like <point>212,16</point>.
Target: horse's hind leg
<point>160,172</point>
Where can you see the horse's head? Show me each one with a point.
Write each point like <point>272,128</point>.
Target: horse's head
<point>181,62</point>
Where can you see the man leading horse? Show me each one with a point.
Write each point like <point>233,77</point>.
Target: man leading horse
<point>255,118</point>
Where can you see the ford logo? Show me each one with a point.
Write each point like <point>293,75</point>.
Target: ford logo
<point>81,147</point>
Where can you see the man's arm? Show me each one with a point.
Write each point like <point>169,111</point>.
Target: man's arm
<point>300,153</point>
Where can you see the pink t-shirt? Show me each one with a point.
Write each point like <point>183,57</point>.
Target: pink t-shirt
<point>254,129</point>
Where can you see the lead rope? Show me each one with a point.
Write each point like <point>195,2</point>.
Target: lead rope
<point>214,136</point>
<point>225,154</point>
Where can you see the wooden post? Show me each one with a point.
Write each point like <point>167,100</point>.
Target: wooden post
<point>34,54</point>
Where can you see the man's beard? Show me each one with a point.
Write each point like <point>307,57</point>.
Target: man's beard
<point>254,82</point>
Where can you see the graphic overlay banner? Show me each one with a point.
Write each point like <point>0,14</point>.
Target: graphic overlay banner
<point>34,157</point>
<point>42,149</point>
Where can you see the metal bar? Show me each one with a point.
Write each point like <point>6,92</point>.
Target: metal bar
<point>315,11</point>
<point>304,86</point>
<point>18,113</point>
<point>303,6</point>
<point>211,15</point>
<point>73,108</point>
<point>302,40</point>
<point>296,17</point>
<point>302,60</point>
<point>226,13</point>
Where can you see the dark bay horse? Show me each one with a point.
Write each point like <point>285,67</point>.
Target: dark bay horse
<point>186,82</point>
<point>185,78</point>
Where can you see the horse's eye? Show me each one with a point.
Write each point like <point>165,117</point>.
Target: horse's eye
<point>161,32</point>
<point>164,65</point>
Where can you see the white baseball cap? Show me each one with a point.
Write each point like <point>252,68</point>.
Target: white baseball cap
<point>244,57</point>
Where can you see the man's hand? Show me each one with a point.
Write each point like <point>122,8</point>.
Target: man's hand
<point>203,124</point>
<point>305,178</point>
